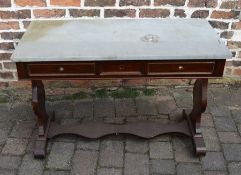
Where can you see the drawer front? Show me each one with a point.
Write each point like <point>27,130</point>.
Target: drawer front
<point>58,69</point>
<point>121,68</point>
<point>181,68</point>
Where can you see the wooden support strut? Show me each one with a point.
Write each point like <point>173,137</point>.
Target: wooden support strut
<point>43,120</point>
<point>146,129</point>
<point>194,118</point>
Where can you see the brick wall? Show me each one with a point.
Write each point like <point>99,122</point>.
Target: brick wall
<point>15,16</point>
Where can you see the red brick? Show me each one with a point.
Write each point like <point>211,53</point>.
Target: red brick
<point>83,12</point>
<point>57,84</point>
<point>4,85</point>
<point>9,25</point>
<point>120,13</point>
<point>5,56</point>
<point>20,14</point>
<point>6,75</point>
<point>9,65</point>
<point>158,82</point>
<point>219,24</point>
<point>11,35</point>
<point>236,63</point>
<point>20,84</point>
<point>134,82</point>
<point>100,3</point>
<point>26,24</point>
<point>234,44</point>
<point>6,46</point>
<point>236,25</point>
<point>202,3</point>
<point>153,13</point>
<point>65,2</point>
<point>69,91</point>
<point>225,14</point>
<point>134,2</point>
<point>81,83</point>
<point>200,14</point>
<point>169,2</point>
<point>5,3</point>
<point>227,71</point>
<point>106,83</point>
<point>229,4</point>
<point>237,71</point>
<point>238,4</point>
<point>55,91</point>
<point>226,34</point>
<point>23,3</point>
<point>49,13</point>
<point>228,63</point>
<point>180,13</point>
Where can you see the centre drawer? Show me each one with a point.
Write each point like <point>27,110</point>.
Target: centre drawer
<point>60,69</point>
<point>122,68</point>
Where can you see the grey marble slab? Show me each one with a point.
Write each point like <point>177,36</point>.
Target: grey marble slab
<point>120,39</point>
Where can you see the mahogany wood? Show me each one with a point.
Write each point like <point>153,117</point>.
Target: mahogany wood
<point>144,129</point>
<point>194,118</point>
<point>38,104</point>
<point>121,69</point>
<point>190,126</point>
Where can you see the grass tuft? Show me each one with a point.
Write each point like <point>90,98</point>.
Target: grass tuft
<point>149,92</point>
<point>101,93</point>
<point>79,95</point>
<point>125,93</point>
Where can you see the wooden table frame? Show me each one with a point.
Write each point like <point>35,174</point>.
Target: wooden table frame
<point>190,126</point>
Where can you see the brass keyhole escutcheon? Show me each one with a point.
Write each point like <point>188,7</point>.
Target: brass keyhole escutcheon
<point>61,69</point>
<point>180,67</point>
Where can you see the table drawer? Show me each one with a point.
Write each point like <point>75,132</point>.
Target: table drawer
<point>181,68</point>
<point>122,68</point>
<point>58,69</point>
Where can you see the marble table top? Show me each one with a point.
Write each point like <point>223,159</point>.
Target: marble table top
<point>120,39</point>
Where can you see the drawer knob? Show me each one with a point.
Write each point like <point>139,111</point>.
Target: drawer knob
<point>180,67</point>
<point>122,67</point>
<point>61,69</point>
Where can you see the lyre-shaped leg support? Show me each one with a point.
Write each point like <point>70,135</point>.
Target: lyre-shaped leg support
<point>194,119</point>
<point>43,120</point>
<point>87,130</point>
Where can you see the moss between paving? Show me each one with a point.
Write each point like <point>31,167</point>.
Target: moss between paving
<point>121,92</point>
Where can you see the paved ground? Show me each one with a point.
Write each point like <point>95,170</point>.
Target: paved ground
<point>126,155</point>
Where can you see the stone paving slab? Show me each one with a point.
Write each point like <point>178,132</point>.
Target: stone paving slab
<point>125,154</point>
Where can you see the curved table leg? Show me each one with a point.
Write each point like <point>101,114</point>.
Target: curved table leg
<point>43,120</point>
<point>194,119</point>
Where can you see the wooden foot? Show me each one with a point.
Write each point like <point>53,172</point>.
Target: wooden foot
<point>197,138</point>
<point>40,148</point>
<point>194,119</point>
<point>43,122</point>
<point>41,143</point>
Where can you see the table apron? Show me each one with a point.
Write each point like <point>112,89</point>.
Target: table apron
<point>121,69</point>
